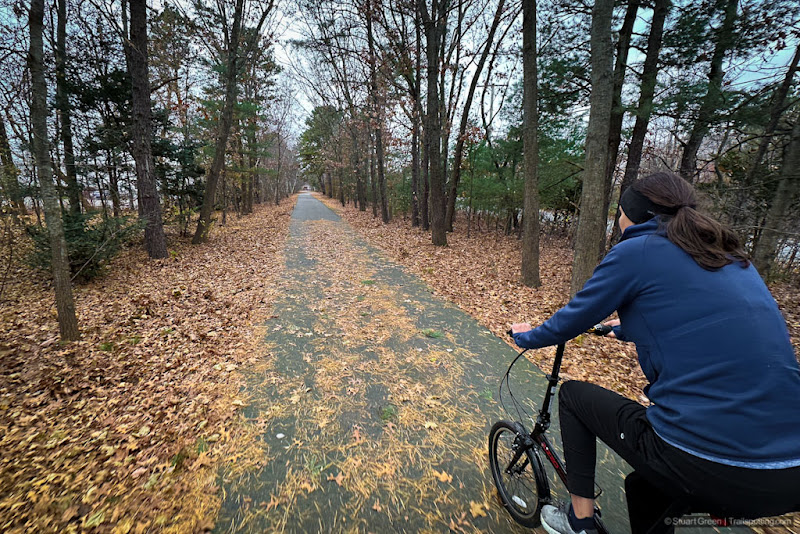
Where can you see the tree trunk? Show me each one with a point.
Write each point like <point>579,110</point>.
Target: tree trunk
<point>765,251</point>
<point>377,116</point>
<point>645,108</point>
<point>113,184</point>
<point>617,112</point>
<point>341,187</point>
<point>433,131</point>
<point>422,172</point>
<point>65,110</point>
<point>358,170</point>
<point>414,167</point>
<point>65,306</point>
<point>224,128</point>
<point>591,231</point>
<point>10,184</point>
<point>530,126</point>
<point>373,180</point>
<point>136,55</point>
<point>462,127</point>
<point>713,99</point>
<point>777,109</point>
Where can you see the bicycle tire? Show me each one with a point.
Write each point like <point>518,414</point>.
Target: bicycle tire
<point>523,492</point>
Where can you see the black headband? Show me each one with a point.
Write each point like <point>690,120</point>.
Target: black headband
<point>639,208</point>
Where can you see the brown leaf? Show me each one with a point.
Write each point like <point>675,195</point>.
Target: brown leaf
<point>443,476</point>
<point>477,509</point>
<point>338,478</point>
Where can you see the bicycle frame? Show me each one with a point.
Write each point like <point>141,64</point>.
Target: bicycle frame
<point>539,432</point>
<point>538,436</point>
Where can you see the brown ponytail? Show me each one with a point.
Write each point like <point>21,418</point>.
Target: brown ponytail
<point>711,244</point>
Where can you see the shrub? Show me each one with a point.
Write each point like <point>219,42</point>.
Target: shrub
<point>92,241</point>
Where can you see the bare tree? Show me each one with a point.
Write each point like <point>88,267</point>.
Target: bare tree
<point>65,305</point>
<point>788,188</point>
<point>462,128</point>
<point>617,111</point>
<point>713,98</point>
<point>377,117</point>
<point>645,108</point>
<point>234,61</point>
<point>65,109</point>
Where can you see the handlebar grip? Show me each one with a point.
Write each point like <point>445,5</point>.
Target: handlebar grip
<point>599,329</point>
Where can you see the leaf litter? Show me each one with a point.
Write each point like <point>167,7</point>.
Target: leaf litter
<point>400,457</point>
<point>123,431</point>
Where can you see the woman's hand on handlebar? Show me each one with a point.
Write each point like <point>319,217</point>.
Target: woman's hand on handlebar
<point>612,322</point>
<point>517,328</point>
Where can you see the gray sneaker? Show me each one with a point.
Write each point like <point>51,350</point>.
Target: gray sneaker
<point>555,520</point>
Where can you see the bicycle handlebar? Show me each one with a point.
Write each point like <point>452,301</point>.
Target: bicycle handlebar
<point>599,329</point>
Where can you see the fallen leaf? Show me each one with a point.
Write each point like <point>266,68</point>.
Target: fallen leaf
<point>477,509</point>
<point>338,478</point>
<point>443,476</point>
<point>94,519</point>
<point>139,472</point>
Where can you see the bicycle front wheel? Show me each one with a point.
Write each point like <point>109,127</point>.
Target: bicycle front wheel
<point>521,484</point>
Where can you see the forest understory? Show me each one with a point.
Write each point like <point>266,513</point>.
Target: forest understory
<point>124,431</point>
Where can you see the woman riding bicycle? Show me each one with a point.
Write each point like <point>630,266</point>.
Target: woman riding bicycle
<point>723,432</point>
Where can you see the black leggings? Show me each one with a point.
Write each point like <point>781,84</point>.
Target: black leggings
<point>588,411</point>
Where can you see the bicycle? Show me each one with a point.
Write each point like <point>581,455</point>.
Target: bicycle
<point>514,453</point>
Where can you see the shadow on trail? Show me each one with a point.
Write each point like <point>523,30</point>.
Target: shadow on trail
<point>374,400</point>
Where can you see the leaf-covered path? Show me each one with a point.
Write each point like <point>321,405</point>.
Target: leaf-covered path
<point>373,401</point>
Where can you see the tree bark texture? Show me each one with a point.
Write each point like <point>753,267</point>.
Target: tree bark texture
<point>617,111</point>
<point>788,188</point>
<point>224,128</point>
<point>373,181</point>
<point>462,127</point>
<point>713,98</point>
<point>422,169</point>
<point>358,170</point>
<point>377,116</point>
<point>530,142</point>
<point>154,239</point>
<point>65,110</point>
<point>645,108</point>
<point>433,131</point>
<point>415,167</point>
<point>591,233</point>
<point>65,305</point>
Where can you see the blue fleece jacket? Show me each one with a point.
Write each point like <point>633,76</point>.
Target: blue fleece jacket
<point>722,373</point>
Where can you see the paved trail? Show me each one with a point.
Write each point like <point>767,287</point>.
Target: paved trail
<point>374,401</point>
